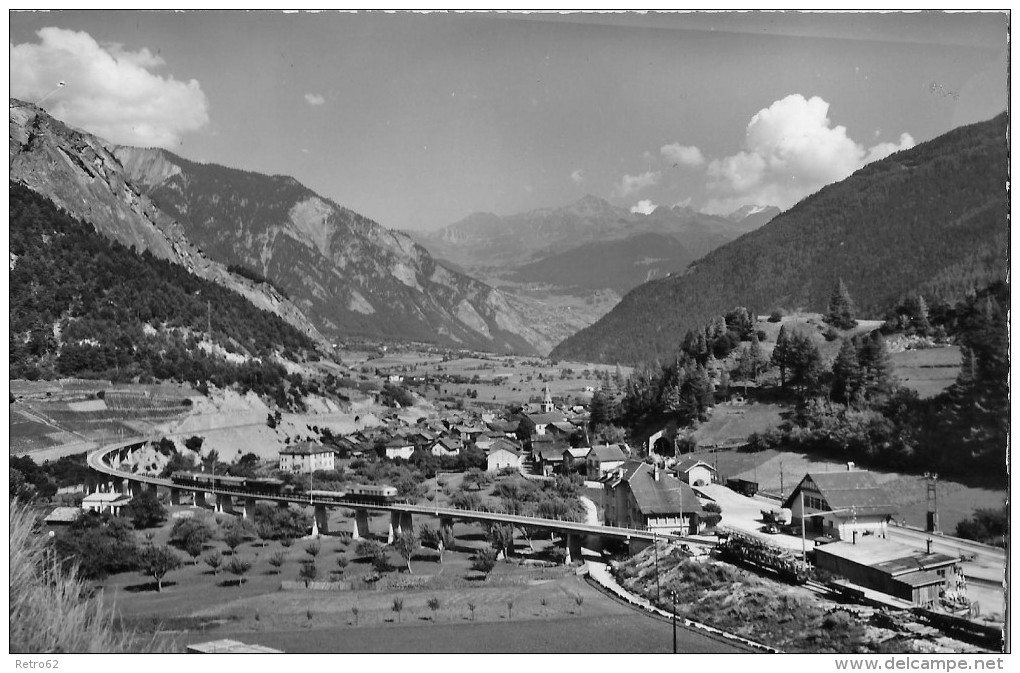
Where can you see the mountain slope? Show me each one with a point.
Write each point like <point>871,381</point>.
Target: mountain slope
<point>619,265</point>
<point>83,305</point>
<point>931,219</point>
<point>80,174</point>
<point>349,275</point>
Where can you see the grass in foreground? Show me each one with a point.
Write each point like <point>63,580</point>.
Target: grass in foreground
<point>51,610</point>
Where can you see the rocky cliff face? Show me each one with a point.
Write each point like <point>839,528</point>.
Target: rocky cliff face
<point>80,173</point>
<point>333,271</point>
<point>348,274</point>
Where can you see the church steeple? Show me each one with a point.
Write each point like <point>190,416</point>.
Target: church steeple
<point>547,403</point>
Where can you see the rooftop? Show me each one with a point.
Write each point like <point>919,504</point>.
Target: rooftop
<point>608,452</point>
<point>690,463</point>
<point>855,491</point>
<point>889,557</point>
<point>666,495</point>
<point>106,498</point>
<point>229,647</point>
<point>306,449</point>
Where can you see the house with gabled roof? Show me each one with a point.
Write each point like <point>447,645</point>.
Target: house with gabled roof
<point>398,447</point>
<point>547,453</point>
<point>695,472</point>
<point>503,454</point>
<point>841,504</point>
<point>643,496</point>
<point>506,428</point>
<point>573,459</point>
<point>537,424</point>
<point>446,446</point>
<point>600,460</point>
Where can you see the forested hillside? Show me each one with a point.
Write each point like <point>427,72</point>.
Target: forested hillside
<point>86,306</point>
<point>931,219</point>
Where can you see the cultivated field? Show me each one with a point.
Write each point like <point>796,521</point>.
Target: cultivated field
<point>552,610</point>
<point>927,371</point>
<point>734,423</point>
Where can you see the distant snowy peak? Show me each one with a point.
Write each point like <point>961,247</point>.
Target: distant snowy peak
<point>751,210</point>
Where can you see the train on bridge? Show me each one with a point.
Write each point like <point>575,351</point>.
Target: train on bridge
<point>270,487</point>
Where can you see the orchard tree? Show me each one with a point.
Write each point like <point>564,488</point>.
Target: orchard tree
<point>484,561</point>
<point>157,562</point>
<point>407,544</point>
<point>277,560</point>
<point>239,567</point>
<point>214,560</point>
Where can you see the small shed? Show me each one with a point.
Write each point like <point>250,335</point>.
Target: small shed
<point>695,472</point>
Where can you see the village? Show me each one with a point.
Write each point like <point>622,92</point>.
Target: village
<point>835,528</point>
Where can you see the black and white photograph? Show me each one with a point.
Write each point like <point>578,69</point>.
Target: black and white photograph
<point>518,332</point>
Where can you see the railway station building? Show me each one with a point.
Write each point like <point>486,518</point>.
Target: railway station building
<point>844,505</point>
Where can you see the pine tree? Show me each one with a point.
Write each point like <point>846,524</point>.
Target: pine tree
<point>874,360</point>
<point>782,354</point>
<point>841,308</point>
<point>757,356</point>
<point>806,368</point>
<point>919,319</point>
<point>847,374</point>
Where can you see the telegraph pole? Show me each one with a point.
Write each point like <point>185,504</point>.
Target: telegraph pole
<point>673,595</point>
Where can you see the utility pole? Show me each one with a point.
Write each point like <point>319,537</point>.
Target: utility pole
<point>673,596</point>
<point>803,533</point>
<point>655,541</point>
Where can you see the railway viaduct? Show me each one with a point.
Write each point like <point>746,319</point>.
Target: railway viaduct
<point>106,463</point>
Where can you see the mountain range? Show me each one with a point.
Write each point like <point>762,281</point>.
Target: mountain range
<point>932,219</point>
<point>589,244</point>
<point>333,272</point>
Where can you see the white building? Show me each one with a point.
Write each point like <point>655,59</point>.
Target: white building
<point>105,502</point>
<point>307,457</point>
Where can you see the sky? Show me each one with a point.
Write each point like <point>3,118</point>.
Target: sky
<point>418,120</point>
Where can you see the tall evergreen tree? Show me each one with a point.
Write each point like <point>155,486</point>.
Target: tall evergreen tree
<point>841,308</point>
<point>806,368</point>
<point>919,318</point>
<point>782,354</point>
<point>874,361</point>
<point>847,374</point>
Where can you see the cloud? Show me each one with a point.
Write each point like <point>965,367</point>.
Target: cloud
<point>630,184</point>
<point>791,150</point>
<point>314,99</point>
<point>683,155</point>
<point>577,177</point>
<point>110,91</point>
<point>644,206</point>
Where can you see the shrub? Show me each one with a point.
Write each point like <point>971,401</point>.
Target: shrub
<point>776,316</point>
